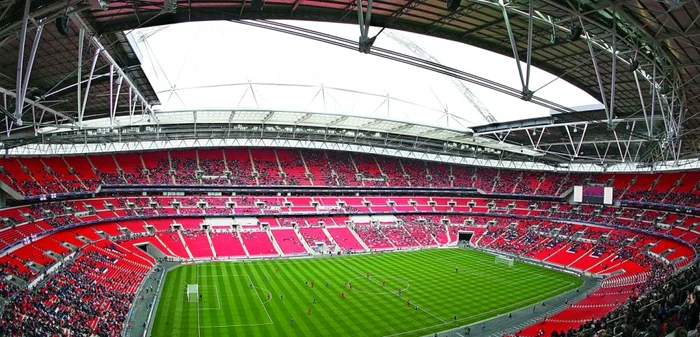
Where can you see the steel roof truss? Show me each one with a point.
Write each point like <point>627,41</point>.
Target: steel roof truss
<point>524,78</point>
<point>641,102</point>
<point>502,138</point>
<point>611,113</point>
<point>114,99</point>
<point>20,63</point>
<point>577,148</point>
<point>601,87</point>
<point>81,41</point>
<point>365,42</point>
<point>11,94</point>
<point>535,146</point>
<point>94,40</point>
<point>81,109</point>
<point>571,69</point>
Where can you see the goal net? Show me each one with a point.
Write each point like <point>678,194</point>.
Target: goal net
<point>193,293</point>
<point>500,259</point>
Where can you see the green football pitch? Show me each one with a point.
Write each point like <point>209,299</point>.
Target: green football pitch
<point>260,298</point>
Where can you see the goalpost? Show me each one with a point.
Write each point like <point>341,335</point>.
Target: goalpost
<point>193,293</point>
<point>500,259</point>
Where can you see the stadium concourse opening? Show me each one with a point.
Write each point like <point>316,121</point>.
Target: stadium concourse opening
<point>201,168</point>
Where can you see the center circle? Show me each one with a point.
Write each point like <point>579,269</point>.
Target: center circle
<point>374,281</point>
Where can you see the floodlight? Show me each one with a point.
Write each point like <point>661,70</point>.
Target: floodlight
<point>575,32</point>
<point>634,65</point>
<point>63,25</point>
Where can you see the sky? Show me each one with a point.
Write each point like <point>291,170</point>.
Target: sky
<point>225,65</point>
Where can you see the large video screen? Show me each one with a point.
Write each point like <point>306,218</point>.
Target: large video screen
<point>593,194</point>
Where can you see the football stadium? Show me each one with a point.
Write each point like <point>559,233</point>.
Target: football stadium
<point>381,168</point>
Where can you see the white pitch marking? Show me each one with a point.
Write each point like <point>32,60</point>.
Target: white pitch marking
<point>218,301</point>
<point>261,301</point>
<point>234,325</point>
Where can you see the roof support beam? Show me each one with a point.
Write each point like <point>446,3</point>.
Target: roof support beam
<point>89,82</point>
<point>20,64</point>
<point>465,10</point>
<point>480,28</point>
<point>9,93</point>
<point>365,41</point>
<point>678,35</point>
<point>546,125</point>
<point>688,65</point>
<point>110,60</point>
<point>408,7</point>
<point>267,117</point>
<point>614,75</point>
<point>588,142</point>
<point>296,5</point>
<point>525,90</point>
<point>644,108</point>
<point>114,100</point>
<point>81,40</point>
<point>30,64</point>
<point>601,87</point>
<point>581,63</point>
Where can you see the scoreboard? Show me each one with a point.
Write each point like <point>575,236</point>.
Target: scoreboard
<point>593,194</point>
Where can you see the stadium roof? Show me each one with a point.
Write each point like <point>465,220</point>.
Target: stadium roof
<point>656,106</point>
<point>208,69</point>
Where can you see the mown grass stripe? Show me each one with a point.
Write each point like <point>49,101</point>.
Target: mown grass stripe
<point>479,290</point>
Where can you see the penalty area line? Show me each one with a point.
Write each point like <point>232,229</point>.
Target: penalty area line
<point>261,301</point>
<point>234,325</point>
<point>481,313</point>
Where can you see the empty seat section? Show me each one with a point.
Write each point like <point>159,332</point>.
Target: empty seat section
<point>288,241</point>
<point>35,254</point>
<point>227,244</point>
<point>161,225</point>
<point>135,226</point>
<point>198,243</point>
<point>314,234</point>
<point>173,242</point>
<point>87,232</point>
<point>345,239</point>
<point>111,229</point>
<point>258,243</point>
